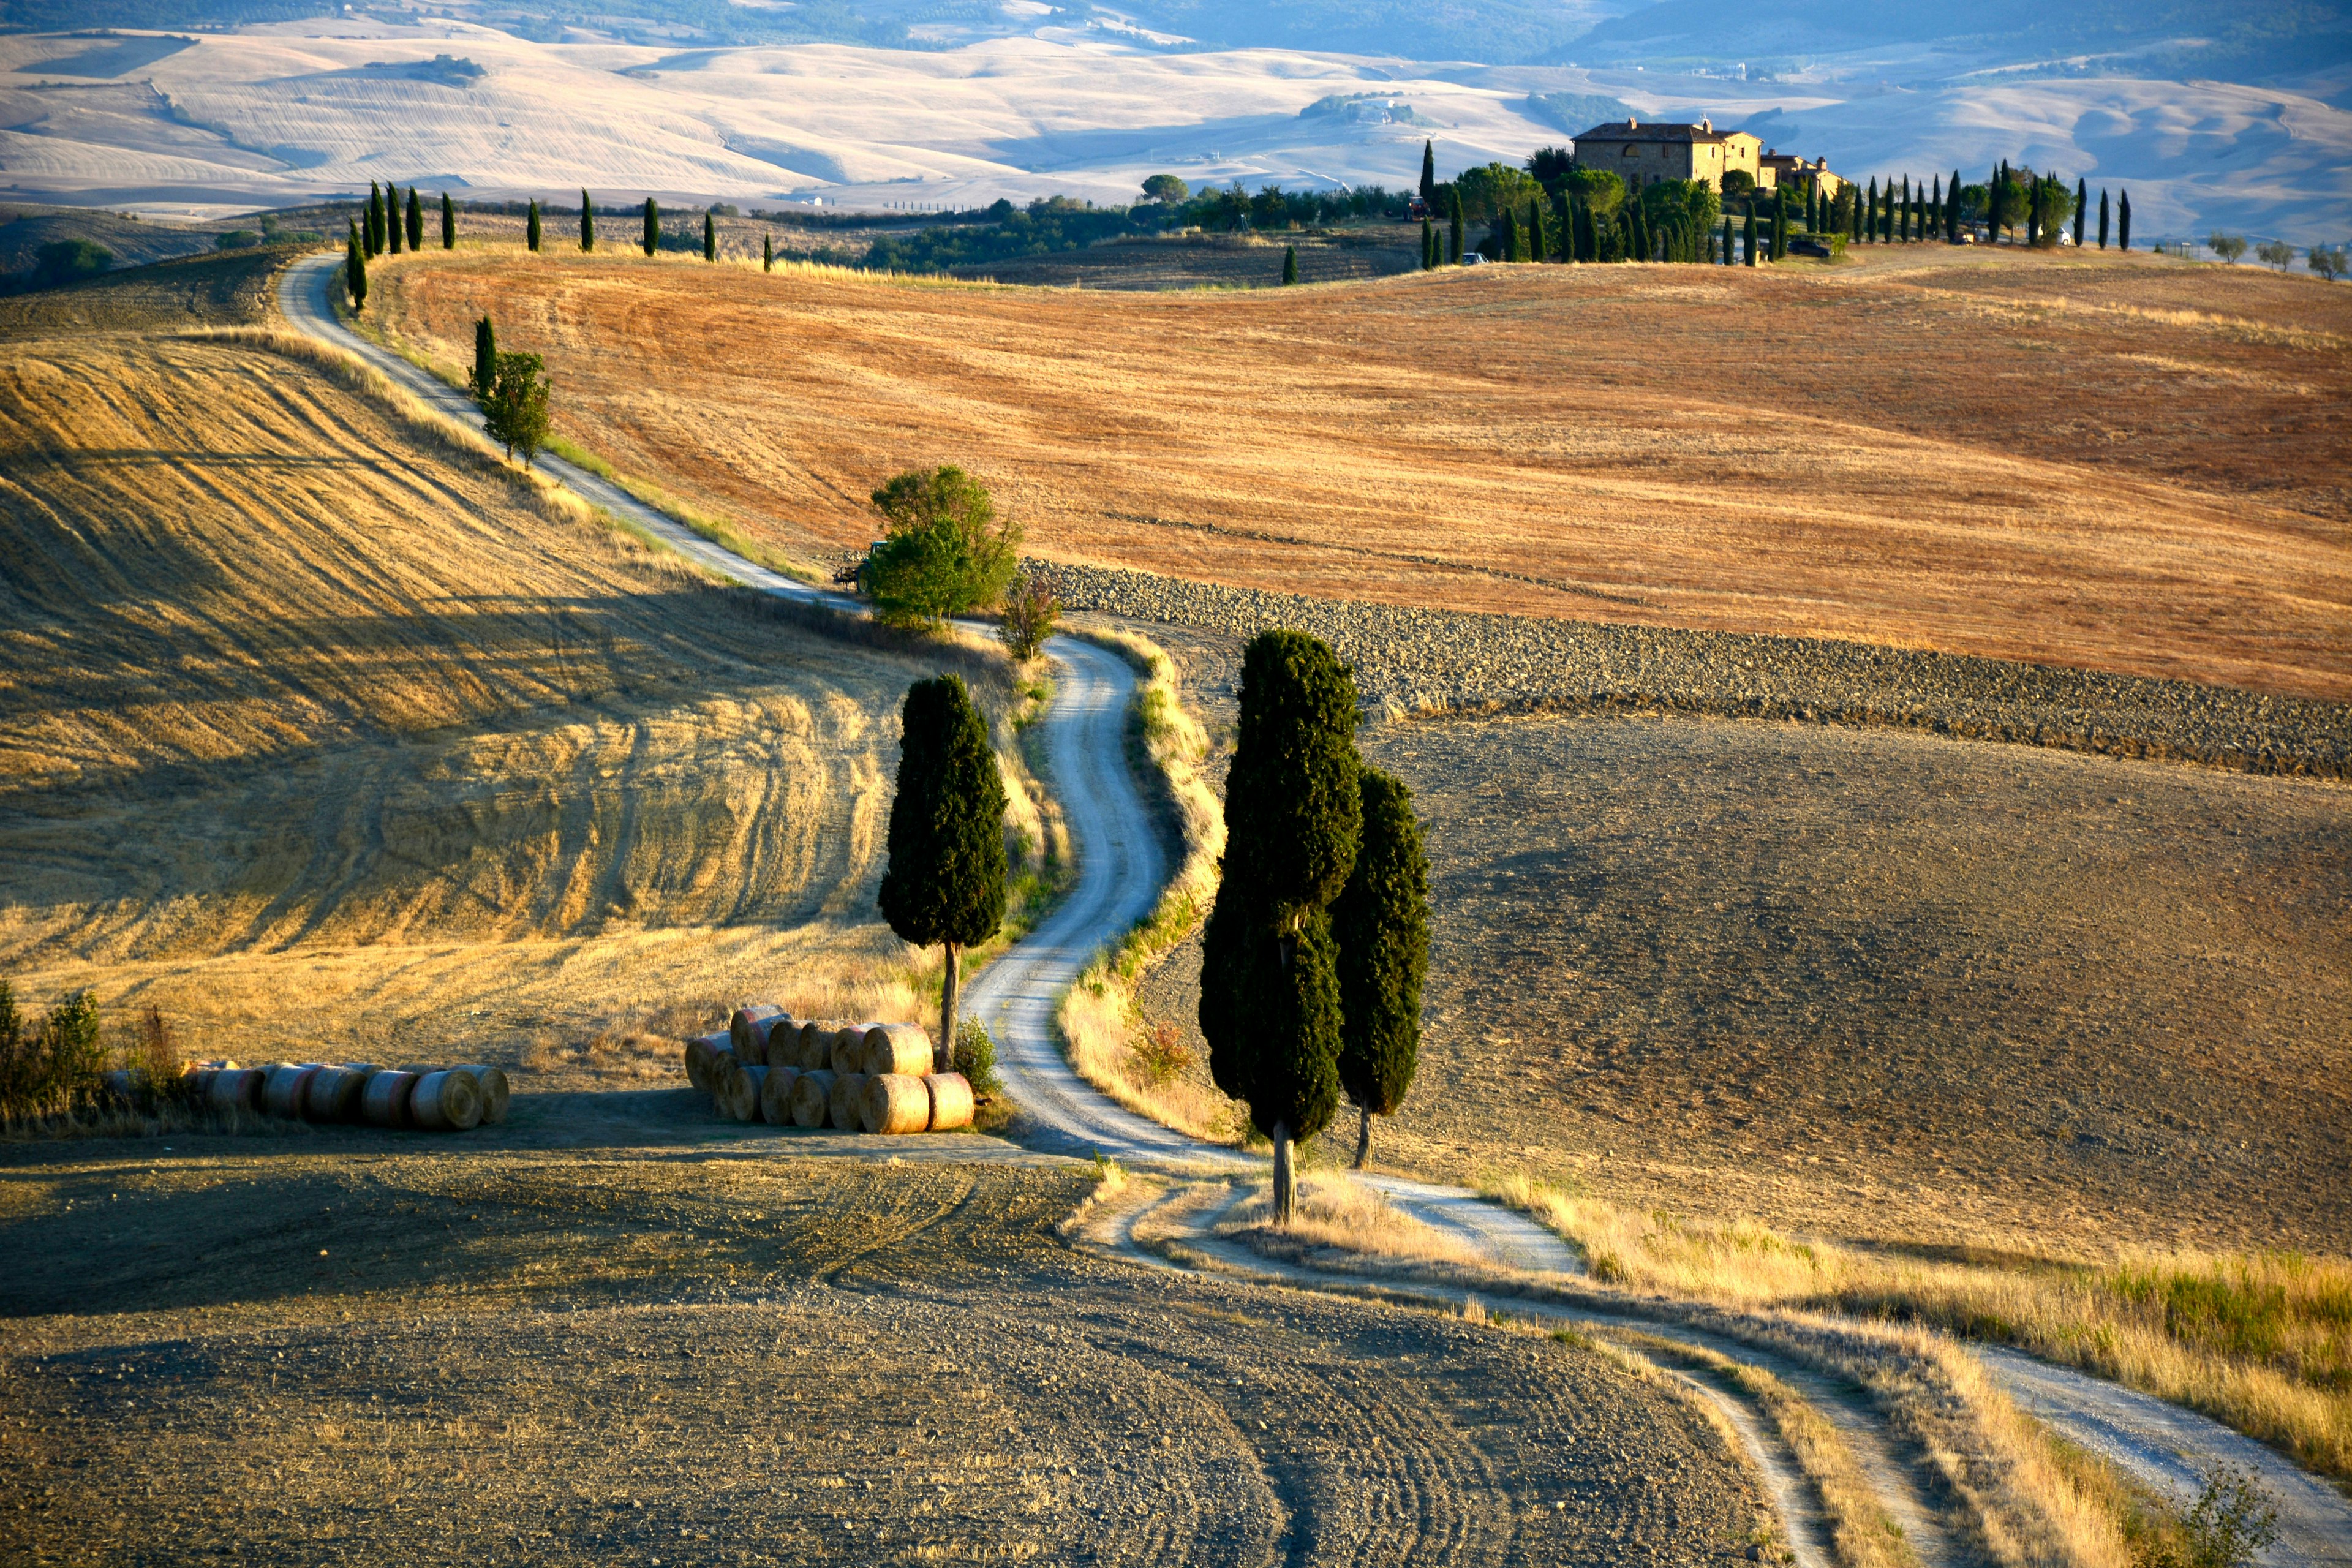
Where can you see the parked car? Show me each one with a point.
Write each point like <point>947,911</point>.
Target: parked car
<point>1472,258</point>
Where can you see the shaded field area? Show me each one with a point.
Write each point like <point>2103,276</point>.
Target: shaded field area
<point>1877,986</point>
<point>200,291</point>
<point>331,742</point>
<point>503,1356</point>
<point>1217,260</point>
<point>2119,463</point>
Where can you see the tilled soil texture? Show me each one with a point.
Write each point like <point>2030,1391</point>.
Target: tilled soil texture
<point>2111,462</point>
<point>505,1358</point>
<point>1873,983</point>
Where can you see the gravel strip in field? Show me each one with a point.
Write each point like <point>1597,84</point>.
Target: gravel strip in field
<point>1410,661</point>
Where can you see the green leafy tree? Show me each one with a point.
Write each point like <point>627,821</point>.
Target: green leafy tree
<point>355,269</point>
<point>53,1066</point>
<point>2228,246</point>
<point>1429,174</point>
<point>485,359</point>
<point>448,223</point>
<point>416,220</point>
<point>1032,609</point>
<point>1166,188</point>
<point>62,261</point>
<point>1738,184</point>
<point>1489,190</point>
<point>587,223</point>
<point>514,414</point>
<point>945,881</point>
<point>2327,261</point>
<point>1380,924</point>
<point>1597,191</point>
<point>652,227</point>
<point>945,553</point>
<point>709,237</point>
<point>1294,818</point>
<point>2278,253</point>
<point>1289,264</point>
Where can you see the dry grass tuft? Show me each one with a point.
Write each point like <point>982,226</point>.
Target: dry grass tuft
<point>1339,1214</point>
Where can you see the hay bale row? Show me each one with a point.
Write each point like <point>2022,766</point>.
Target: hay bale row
<point>432,1098</point>
<point>767,1065</point>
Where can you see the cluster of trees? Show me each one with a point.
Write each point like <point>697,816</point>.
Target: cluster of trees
<point>1055,225</point>
<point>2041,203</point>
<point>511,390</point>
<point>1315,952</point>
<point>1551,210</point>
<point>383,226</point>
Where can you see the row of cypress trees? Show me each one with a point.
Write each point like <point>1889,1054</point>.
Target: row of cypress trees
<point>1910,213</point>
<point>383,227</point>
<point>1316,949</point>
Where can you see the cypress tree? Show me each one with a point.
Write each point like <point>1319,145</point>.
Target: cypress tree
<point>391,217</point>
<point>1294,818</point>
<point>371,223</point>
<point>448,223</point>
<point>709,237</point>
<point>1289,264</point>
<point>355,269</point>
<point>1563,217</point>
<point>1453,243</point>
<point>1870,225</point>
<point>767,252</point>
<point>2123,221</point>
<point>1539,243</point>
<point>1779,223</point>
<point>1428,246</point>
<point>1380,924</point>
<point>1727,239</point>
<point>945,882</point>
<point>530,226</point>
<point>1934,209</point>
<point>1510,237</point>
<point>587,223</point>
<point>652,227</point>
<point>486,358</point>
<point>2081,203</point>
<point>415,220</point>
<point>2103,218</point>
<point>2033,214</point>
<point>1748,235</point>
<point>1429,176</point>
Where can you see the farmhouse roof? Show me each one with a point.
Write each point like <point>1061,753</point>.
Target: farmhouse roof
<point>1660,131</point>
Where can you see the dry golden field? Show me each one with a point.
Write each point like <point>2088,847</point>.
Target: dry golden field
<point>2120,462</point>
<point>331,742</point>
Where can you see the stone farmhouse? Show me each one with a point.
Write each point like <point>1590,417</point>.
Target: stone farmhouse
<point>1643,154</point>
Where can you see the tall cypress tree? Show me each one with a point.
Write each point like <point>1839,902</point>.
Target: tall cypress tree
<point>2082,205</point>
<point>945,882</point>
<point>1294,819</point>
<point>530,226</point>
<point>709,237</point>
<point>371,223</point>
<point>1779,223</point>
<point>652,227</point>
<point>486,358</point>
<point>1428,246</point>
<point>391,219</point>
<point>587,223</point>
<point>1727,239</point>
<point>355,269</point>
<point>1429,176</point>
<point>2123,221</point>
<point>1539,243</point>
<point>1935,209</point>
<point>1289,264</point>
<point>1380,924</point>
<point>1870,225</point>
<point>448,223</point>
<point>1748,237</point>
<point>767,251</point>
<point>1563,217</point>
<point>2103,218</point>
<point>1454,241</point>
<point>1510,237</point>
<point>415,220</point>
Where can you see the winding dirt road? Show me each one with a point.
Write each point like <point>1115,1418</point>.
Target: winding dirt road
<point>1121,869</point>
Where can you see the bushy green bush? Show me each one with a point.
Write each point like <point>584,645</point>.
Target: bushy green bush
<point>946,553</point>
<point>54,1066</point>
<point>975,1057</point>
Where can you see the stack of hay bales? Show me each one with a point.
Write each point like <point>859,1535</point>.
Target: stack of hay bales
<point>431,1098</point>
<point>767,1065</point>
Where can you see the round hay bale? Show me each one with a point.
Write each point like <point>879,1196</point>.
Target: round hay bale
<point>743,1093</point>
<point>848,1048</point>
<point>950,1099</point>
<point>847,1104</point>
<point>813,1098</point>
<point>496,1092</point>
<point>445,1102</point>
<point>288,1090</point>
<point>714,1078</point>
<point>385,1102</point>
<point>897,1102</point>
<point>776,1095</point>
<point>237,1089</point>
<point>334,1094</point>
<point>699,1051</point>
<point>200,1083</point>
<point>750,1041</point>
<point>902,1049</point>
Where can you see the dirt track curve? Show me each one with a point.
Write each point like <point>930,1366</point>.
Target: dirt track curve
<point>1121,868</point>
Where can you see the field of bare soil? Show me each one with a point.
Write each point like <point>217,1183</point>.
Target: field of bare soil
<point>1869,983</point>
<point>331,742</point>
<point>336,1347</point>
<point>2123,463</point>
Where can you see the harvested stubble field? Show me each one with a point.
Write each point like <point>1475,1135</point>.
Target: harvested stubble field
<point>2121,463</point>
<point>331,1354</point>
<point>1872,984</point>
<point>332,742</point>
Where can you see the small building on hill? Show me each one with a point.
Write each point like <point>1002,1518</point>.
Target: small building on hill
<point>1643,154</point>
<point>1787,169</point>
